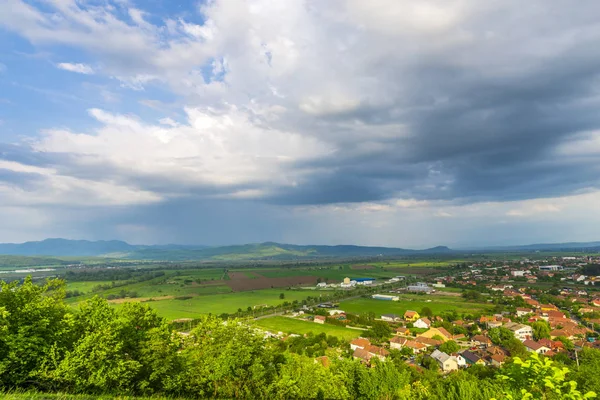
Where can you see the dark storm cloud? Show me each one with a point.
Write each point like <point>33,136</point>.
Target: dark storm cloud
<point>494,137</point>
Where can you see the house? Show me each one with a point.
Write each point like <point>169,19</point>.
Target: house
<point>362,355</point>
<point>411,316</point>
<point>535,347</point>
<point>521,332</point>
<point>532,302</point>
<point>441,332</point>
<point>322,284</point>
<point>422,323</point>
<point>553,314</point>
<point>460,360</point>
<point>497,360</point>
<point>390,317</point>
<point>359,343</point>
<point>378,352</point>
<point>446,362</point>
<point>523,311</point>
<point>403,331</point>
<point>415,346</point>
<point>481,340</point>
<point>319,319</point>
<point>472,358</point>
<point>428,341</point>
<point>397,342</point>
<point>336,312</point>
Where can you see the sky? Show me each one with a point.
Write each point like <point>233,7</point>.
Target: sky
<point>382,122</point>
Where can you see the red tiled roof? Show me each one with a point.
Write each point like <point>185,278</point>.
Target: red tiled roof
<point>361,342</point>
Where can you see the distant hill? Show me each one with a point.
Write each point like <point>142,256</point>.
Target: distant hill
<point>267,250</point>
<point>568,246</point>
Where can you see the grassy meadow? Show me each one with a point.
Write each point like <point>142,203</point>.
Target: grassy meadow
<point>437,305</point>
<point>291,325</point>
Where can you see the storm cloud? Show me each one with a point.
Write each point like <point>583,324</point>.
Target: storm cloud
<point>288,110</point>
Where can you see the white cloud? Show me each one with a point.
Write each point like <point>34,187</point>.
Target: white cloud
<point>215,147</point>
<point>77,68</point>
<point>52,188</point>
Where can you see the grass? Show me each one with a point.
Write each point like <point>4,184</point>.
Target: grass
<point>224,303</point>
<point>290,325</point>
<point>86,286</point>
<point>438,304</point>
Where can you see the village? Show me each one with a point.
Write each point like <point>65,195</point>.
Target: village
<point>550,309</point>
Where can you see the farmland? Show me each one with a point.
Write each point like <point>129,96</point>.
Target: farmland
<point>196,306</point>
<point>437,304</point>
<point>290,325</point>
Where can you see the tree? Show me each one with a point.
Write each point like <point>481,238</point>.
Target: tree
<point>540,378</point>
<point>281,296</point>
<point>35,326</point>
<point>426,312</point>
<point>449,347</point>
<point>541,330</point>
<point>379,330</point>
<point>500,335</point>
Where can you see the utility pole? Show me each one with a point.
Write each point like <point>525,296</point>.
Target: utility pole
<point>577,359</point>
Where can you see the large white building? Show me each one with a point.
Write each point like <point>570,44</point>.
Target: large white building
<point>550,267</point>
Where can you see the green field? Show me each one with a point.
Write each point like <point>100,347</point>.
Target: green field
<point>291,325</point>
<point>416,303</point>
<point>224,303</point>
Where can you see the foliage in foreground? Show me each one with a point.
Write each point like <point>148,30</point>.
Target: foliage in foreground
<point>98,350</point>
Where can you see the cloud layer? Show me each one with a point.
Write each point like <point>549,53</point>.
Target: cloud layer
<point>292,106</point>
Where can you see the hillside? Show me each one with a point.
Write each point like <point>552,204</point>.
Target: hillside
<point>267,250</point>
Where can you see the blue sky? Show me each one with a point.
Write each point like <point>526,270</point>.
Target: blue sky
<point>392,123</point>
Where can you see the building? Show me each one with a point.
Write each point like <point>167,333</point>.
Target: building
<point>441,332</point>
<point>362,355</point>
<point>535,347</point>
<point>397,342</point>
<point>385,297</point>
<point>378,352</point>
<point>521,332</point>
<point>423,323</point>
<point>336,312</point>
<point>550,267</point>
<point>472,358</point>
<point>347,283</point>
<point>446,362</point>
<point>319,319</point>
<point>411,315</point>
<point>523,311</point>
<point>390,317</point>
<point>363,281</point>
<point>322,285</point>
<point>359,343</point>
<point>420,287</point>
<point>416,347</point>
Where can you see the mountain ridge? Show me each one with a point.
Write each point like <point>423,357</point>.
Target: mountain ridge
<point>271,250</point>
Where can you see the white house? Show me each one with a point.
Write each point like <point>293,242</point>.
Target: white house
<point>521,332</point>
<point>322,284</point>
<point>390,317</point>
<point>424,323</point>
<point>336,312</point>
<point>446,362</point>
<point>536,347</point>
<point>319,319</point>
<point>460,360</point>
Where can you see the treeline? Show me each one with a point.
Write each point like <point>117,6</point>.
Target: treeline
<point>116,274</point>
<point>46,346</point>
